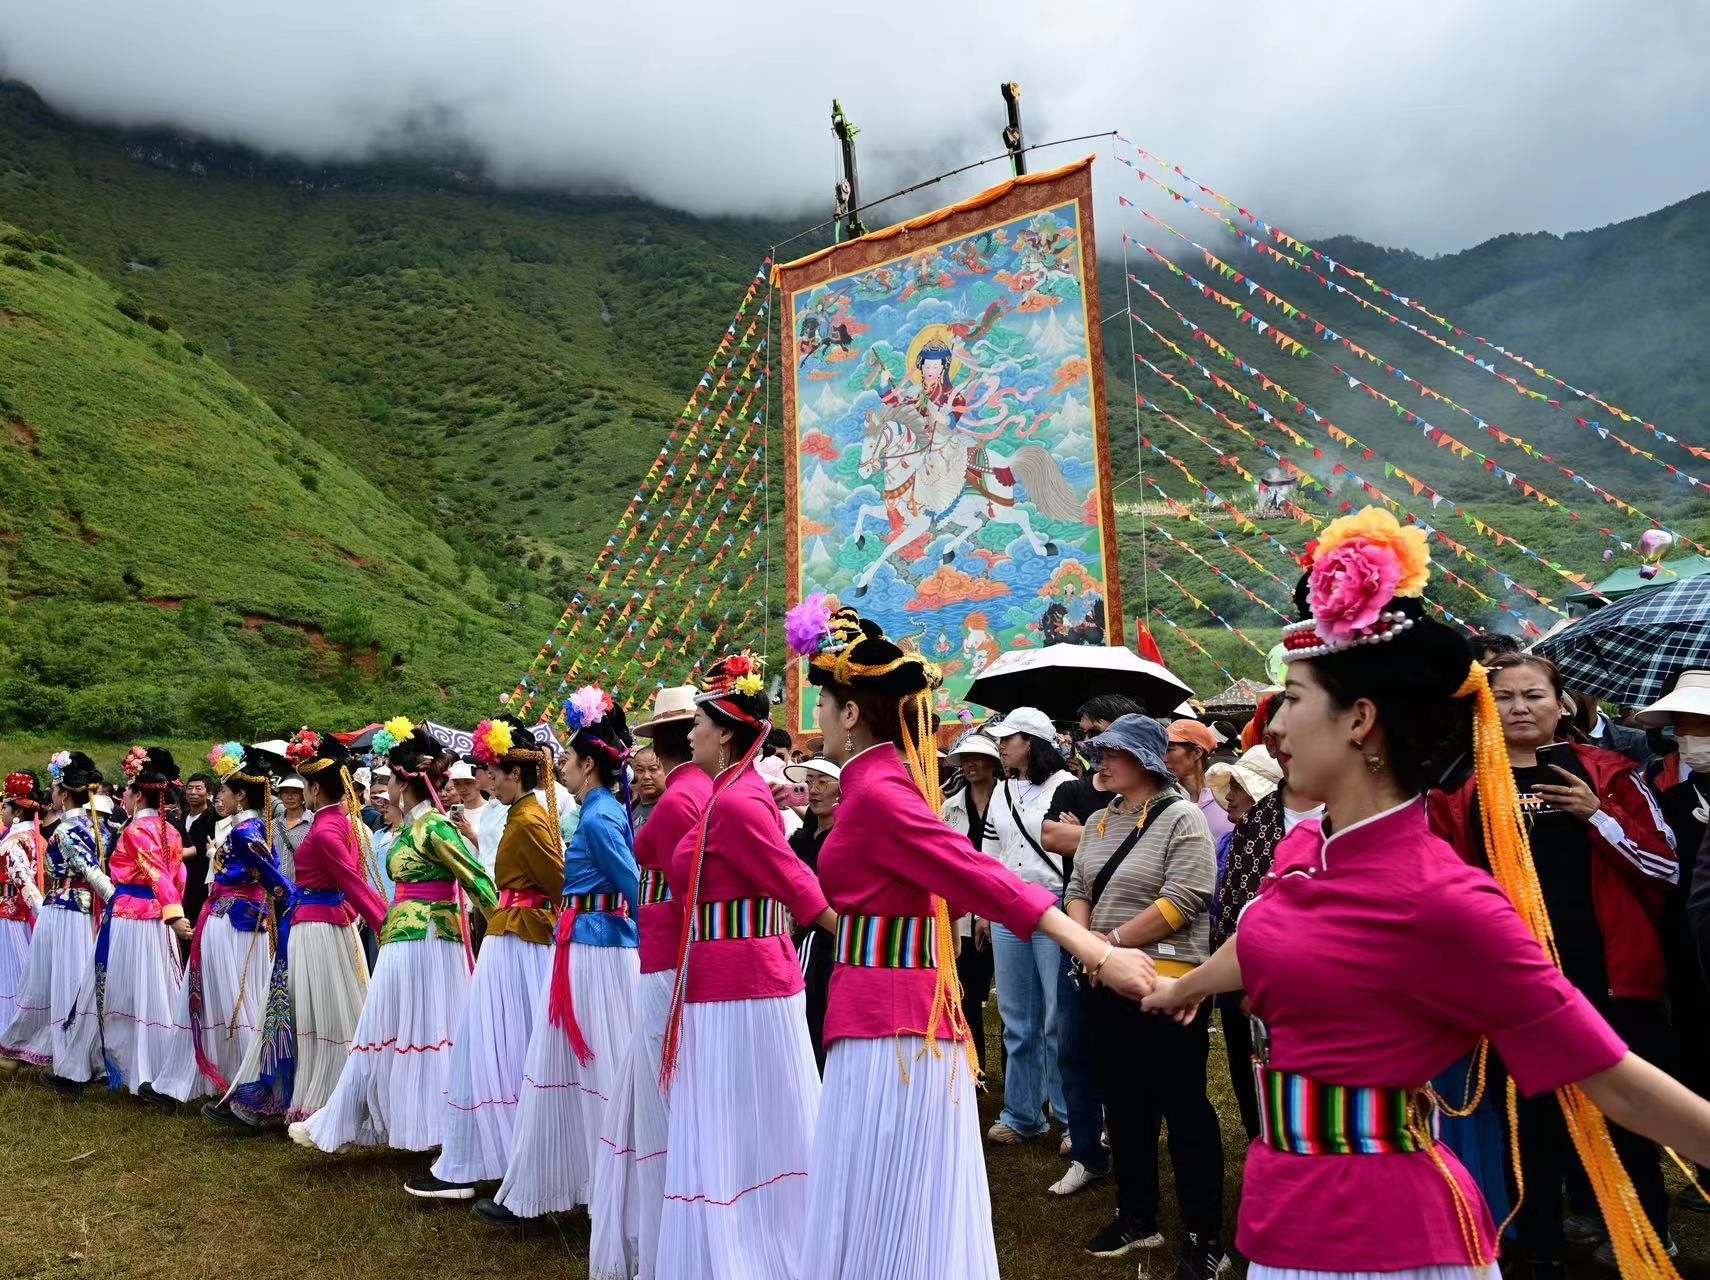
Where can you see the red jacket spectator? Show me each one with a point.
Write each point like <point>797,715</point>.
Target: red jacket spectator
<point>1633,863</point>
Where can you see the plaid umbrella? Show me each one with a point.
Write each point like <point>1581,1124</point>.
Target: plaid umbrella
<point>1627,651</point>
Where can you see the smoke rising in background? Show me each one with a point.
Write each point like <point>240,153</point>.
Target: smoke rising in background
<point>1430,126</point>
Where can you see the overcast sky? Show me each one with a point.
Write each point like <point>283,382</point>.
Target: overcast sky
<point>1431,125</point>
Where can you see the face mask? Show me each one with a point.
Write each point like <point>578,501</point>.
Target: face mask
<point>1695,751</point>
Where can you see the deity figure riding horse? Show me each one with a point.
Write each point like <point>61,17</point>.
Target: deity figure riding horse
<point>937,473</point>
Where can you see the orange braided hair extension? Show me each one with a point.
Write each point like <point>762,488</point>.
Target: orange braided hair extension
<point>1638,1251</point>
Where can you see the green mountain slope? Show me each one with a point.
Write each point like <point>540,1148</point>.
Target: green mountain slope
<point>516,359</point>
<point>175,558</point>
<point>499,369</point>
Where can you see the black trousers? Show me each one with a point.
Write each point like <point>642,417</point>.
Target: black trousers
<point>1547,1155</point>
<point>974,968</point>
<point>1150,1069</point>
<point>1238,1042</point>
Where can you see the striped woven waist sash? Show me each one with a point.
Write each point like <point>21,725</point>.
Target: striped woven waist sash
<point>583,903</point>
<point>739,918</point>
<point>887,942</point>
<point>1305,1118</point>
<point>655,888</point>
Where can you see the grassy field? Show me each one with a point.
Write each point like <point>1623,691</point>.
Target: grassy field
<point>107,1187</point>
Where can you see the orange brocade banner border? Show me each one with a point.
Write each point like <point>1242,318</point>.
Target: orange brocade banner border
<point>947,459</point>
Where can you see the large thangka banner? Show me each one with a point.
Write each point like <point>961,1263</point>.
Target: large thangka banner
<point>948,467</point>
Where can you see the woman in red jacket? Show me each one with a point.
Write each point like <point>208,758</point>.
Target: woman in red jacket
<point>1605,858</point>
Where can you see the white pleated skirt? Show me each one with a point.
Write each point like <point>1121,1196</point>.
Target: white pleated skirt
<point>235,968</point>
<point>14,955</point>
<point>326,982</point>
<point>1257,1271</point>
<point>61,947</point>
<point>137,1029</point>
<point>391,1086</point>
<point>488,1051</point>
<point>629,1173</point>
<point>742,1115</point>
<point>898,1185</point>
<point>564,1101</point>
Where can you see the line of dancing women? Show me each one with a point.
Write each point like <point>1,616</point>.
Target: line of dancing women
<point>631,1036</point>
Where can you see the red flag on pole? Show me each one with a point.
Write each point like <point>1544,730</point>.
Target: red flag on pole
<point>1145,645</point>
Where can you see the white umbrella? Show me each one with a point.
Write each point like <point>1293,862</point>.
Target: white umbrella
<point>1060,677</point>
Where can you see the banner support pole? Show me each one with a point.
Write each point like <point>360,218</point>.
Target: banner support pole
<point>1013,141</point>
<point>846,196</point>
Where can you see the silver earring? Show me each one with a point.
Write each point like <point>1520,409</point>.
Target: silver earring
<point>848,745</point>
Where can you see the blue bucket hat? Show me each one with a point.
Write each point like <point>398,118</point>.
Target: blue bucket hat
<point>1139,736</point>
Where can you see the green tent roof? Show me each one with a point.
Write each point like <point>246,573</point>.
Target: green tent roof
<point>1624,582</point>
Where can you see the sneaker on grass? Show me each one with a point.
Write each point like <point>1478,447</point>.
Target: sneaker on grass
<point>432,1188</point>
<point>1203,1258</point>
<point>1119,1237</point>
<point>1077,1179</point>
<point>1001,1135</point>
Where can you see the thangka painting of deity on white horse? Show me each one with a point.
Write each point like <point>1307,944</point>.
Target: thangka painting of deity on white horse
<point>944,416</point>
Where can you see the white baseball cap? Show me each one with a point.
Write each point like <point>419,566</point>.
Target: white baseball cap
<point>462,771</point>
<point>292,783</point>
<point>361,776</point>
<point>798,772</point>
<point>1029,720</point>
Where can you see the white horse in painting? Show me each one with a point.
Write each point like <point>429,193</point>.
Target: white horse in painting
<point>933,478</point>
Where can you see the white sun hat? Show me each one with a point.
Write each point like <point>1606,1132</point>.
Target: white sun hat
<point>1691,695</point>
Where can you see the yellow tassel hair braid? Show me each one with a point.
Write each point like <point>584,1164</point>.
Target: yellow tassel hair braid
<point>1638,1251</point>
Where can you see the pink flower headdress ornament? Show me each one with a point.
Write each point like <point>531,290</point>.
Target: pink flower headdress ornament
<point>135,761</point>
<point>1361,564</point>
<point>588,705</point>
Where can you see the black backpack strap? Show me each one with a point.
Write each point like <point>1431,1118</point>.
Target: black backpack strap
<point>1061,869</point>
<point>1127,846</point>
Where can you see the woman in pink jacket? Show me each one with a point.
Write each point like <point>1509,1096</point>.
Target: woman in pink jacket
<point>898,1180</point>
<point>737,1069</point>
<point>320,973</point>
<point>124,1025</point>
